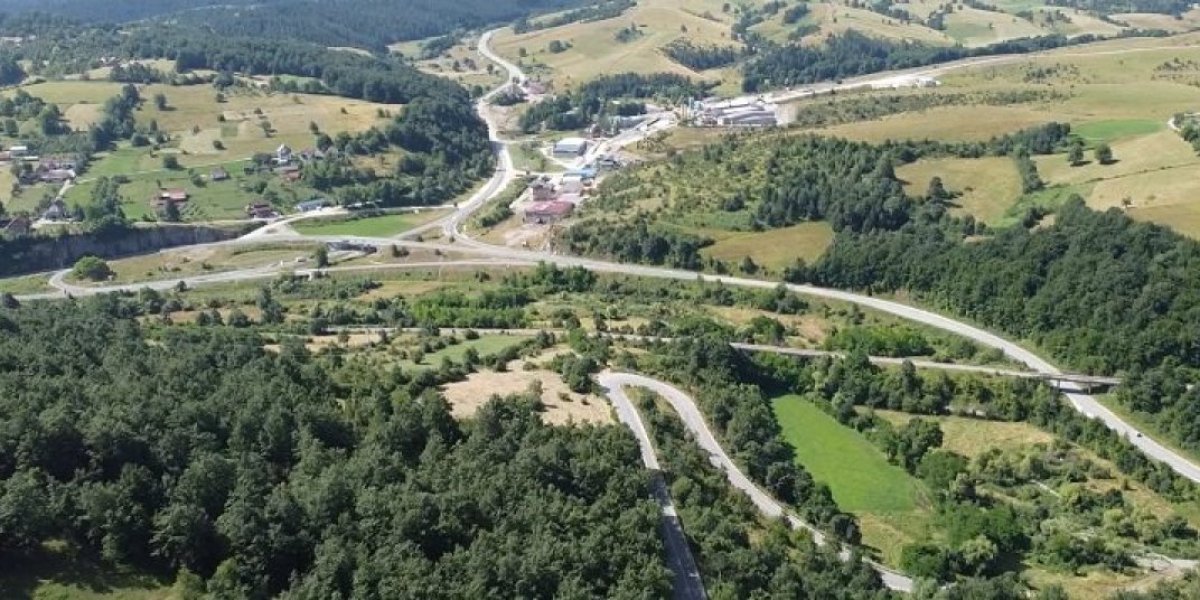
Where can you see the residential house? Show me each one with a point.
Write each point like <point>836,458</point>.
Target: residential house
<point>57,162</point>
<point>543,213</point>
<point>283,155</point>
<point>57,176</point>
<point>57,211</point>
<point>218,174</point>
<point>174,196</point>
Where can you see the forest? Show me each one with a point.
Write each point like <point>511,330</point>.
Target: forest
<point>368,24</point>
<point>769,182</point>
<point>249,474</point>
<point>1099,291</point>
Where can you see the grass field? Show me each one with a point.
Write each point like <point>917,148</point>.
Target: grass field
<point>1106,131</point>
<point>989,186</point>
<point>773,249</point>
<point>213,200</point>
<point>836,19</point>
<point>973,437</point>
<point>860,477</point>
<point>595,51</point>
<point>192,115</point>
<point>888,502</point>
<point>27,284</point>
<point>383,226</point>
<point>975,27</point>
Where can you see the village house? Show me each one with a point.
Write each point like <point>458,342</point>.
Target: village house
<point>57,211</point>
<point>543,213</point>
<point>290,173</point>
<point>174,196</point>
<point>62,162</point>
<point>542,190</point>
<point>55,175</point>
<point>283,155</point>
<point>218,174</point>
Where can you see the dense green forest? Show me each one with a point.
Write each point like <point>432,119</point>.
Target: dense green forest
<point>260,473</point>
<point>1100,291</point>
<point>371,24</point>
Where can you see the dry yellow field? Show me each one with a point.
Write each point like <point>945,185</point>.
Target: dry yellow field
<point>836,19</point>
<point>595,50</point>
<point>975,27</point>
<point>989,185</point>
<point>773,249</point>
<point>949,123</point>
<point>562,406</point>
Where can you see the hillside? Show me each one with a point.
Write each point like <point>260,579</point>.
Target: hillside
<point>358,23</point>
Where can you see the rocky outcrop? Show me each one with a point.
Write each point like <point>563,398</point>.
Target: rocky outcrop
<point>44,253</point>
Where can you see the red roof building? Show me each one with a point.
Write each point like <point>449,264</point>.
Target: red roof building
<point>548,212</point>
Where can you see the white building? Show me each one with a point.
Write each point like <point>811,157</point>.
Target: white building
<point>572,146</point>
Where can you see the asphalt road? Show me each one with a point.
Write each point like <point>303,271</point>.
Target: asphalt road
<point>615,383</point>
<point>687,582</point>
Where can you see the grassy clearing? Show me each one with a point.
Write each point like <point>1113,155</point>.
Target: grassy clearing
<point>192,116</point>
<point>486,345</point>
<point>886,500</point>
<point>836,19</point>
<point>950,123</point>
<point>973,437</point>
<point>773,249</point>
<point>595,51</point>
<point>975,27</point>
<point>213,200</point>
<point>989,186</point>
<point>858,474</point>
<point>185,262</point>
<point>383,226</point>
<point>28,284</point>
<point>1106,131</point>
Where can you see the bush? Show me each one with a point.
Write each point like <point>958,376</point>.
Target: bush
<point>92,268</point>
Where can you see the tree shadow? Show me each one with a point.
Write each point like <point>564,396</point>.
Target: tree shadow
<point>22,575</point>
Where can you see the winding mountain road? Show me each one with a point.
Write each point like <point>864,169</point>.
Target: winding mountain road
<point>688,585</point>
<point>614,385</point>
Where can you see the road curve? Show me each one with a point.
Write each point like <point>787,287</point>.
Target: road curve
<point>614,385</point>
<point>687,582</point>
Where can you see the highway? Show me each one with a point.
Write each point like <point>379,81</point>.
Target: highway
<point>614,385</point>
